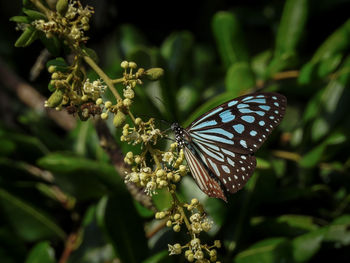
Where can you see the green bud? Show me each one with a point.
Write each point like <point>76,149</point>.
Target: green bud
<point>55,99</point>
<point>62,7</point>
<point>119,119</point>
<point>154,73</point>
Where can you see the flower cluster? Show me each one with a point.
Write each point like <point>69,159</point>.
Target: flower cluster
<point>161,177</point>
<point>194,249</point>
<point>70,21</point>
<point>72,92</point>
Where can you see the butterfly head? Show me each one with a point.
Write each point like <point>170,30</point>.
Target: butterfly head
<point>181,135</point>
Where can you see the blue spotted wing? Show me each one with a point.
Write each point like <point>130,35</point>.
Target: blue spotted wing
<point>225,139</point>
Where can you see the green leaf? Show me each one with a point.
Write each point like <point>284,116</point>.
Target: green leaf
<point>7,147</point>
<point>239,78</point>
<point>339,231</point>
<point>41,252</point>
<point>327,56</point>
<point>81,177</point>
<point>160,257</point>
<point>280,62</point>
<point>33,14</point>
<point>267,251</point>
<point>311,158</point>
<point>118,217</point>
<point>130,38</point>
<point>90,53</point>
<point>53,44</point>
<point>320,128</point>
<point>260,63</point>
<point>27,37</point>
<point>176,50</point>
<point>186,97</point>
<point>229,38</point>
<point>262,163</point>
<point>20,19</point>
<point>28,222</point>
<point>292,25</point>
<point>336,43</point>
<point>307,245</point>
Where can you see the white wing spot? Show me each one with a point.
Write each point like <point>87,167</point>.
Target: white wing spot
<point>232,163</point>
<point>225,168</point>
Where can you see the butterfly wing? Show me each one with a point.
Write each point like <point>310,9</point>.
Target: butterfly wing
<point>240,125</point>
<point>202,176</point>
<point>232,169</point>
<point>226,137</point>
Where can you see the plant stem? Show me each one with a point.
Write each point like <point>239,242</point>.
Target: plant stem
<point>41,7</point>
<point>103,75</point>
<point>107,80</point>
<point>182,212</point>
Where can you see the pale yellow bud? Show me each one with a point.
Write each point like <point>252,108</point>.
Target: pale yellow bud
<point>177,216</point>
<point>138,121</point>
<point>99,101</point>
<point>104,116</point>
<point>182,169</point>
<point>177,178</point>
<point>177,228</point>
<point>160,173</point>
<point>194,201</point>
<point>199,254</point>
<point>124,64</point>
<point>127,102</point>
<point>169,176</point>
<point>132,65</point>
<point>108,104</point>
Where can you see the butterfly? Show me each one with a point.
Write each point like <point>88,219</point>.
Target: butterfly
<point>219,146</point>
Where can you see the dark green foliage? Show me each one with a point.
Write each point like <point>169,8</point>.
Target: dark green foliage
<point>296,207</point>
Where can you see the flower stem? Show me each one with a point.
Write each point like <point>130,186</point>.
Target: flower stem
<point>182,212</point>
<point>41,7</point>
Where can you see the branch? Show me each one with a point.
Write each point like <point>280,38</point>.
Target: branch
<point>32,98</point>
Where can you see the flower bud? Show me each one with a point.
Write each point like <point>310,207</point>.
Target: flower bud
<point>55,99</point>
<point>132,65</point>
<point>62,7</point>
<point>119,119</point>
<point>138,121</point>
<point>154,73</point>
<point>177,228</point>
<point>104,116</point>
<point>177,216</point>
<point>108,104</point>
<point>99,101</point>
<point>124,64</point>
<point>51,69</point>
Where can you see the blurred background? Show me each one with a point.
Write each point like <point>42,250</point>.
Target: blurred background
<point>61,199</point>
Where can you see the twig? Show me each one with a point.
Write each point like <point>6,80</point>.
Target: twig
<point>32,98</point>
<point>108,143</point>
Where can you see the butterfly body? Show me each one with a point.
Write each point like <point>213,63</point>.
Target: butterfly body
<point>219,146</point>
